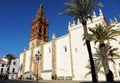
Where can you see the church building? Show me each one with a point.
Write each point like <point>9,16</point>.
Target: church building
<point>65,57</point>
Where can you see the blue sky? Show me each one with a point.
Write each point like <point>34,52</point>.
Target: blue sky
<point>16,17</point>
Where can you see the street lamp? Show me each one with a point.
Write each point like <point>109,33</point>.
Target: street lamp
<point>37,56</point>
<point>20,68</point>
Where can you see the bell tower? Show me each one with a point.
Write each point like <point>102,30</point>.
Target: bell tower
<point>39,29</point>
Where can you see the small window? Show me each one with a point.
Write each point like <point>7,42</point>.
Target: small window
<point>45,31</point>
<point>1,70</point>
<point>49,50</point>
<point>40,30</point>
<point>65,48</point>
<point>76,50</point>
<point>119,73</point>
<point>119,64</point>
<point>2,65</point>
<point>13,70</point>
<point>14,63</point>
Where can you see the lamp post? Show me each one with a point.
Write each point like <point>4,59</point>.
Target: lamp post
<point>20,68</point>
<point>37,56</point>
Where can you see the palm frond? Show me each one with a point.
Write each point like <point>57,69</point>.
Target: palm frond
<point>110,53</point>
<point>102,33</point>
<point>87,74</point>
<point>80,8</point>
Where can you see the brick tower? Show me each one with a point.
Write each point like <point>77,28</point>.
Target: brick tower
<point>39,30</point>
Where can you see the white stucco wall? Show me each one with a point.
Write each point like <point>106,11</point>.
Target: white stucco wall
<point>27,65</point>
<point>47,64</point>
<point>79,53</point>
<point>62,57</point>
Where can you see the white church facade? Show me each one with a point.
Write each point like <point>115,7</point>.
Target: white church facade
<point>65,57</point>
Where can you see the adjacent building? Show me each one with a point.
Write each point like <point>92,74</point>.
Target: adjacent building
<point>14,68</point>
<point>3,66</point>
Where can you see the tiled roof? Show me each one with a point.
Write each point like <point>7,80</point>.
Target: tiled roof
<point>2,60</point>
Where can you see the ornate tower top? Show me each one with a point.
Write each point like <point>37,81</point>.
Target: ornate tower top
<point>40,12</point>
<point>39,30</point>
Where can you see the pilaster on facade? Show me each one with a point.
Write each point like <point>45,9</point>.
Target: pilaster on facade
<point>31,59</point>
<point>41,59</point>
<point>71,56</point>
<point>54,62</point>
<point>24,62</point>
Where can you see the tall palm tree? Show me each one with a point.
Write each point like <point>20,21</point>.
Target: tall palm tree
<point>98,66</point>
<point>80,9</point>
<point>111,54</point>
<point>9,57</point>
<point>101,34</point>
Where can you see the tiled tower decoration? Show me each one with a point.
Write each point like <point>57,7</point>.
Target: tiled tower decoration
<point>39,30</point>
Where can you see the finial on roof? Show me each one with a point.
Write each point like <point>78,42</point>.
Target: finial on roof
<point>115,19</point>
<point>53,36</point>
<point>41,6</point>
<point>111,21</point>
<point>78,22</point>
<point>73,23</point>
<point>24,48</point>
<point>69,24</point>
<point>94,14</point>
<point>100,12</point>
<point>40,12</point>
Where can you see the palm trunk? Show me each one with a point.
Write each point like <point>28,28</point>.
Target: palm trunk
<point>8,70</point>
<point>94,77</point>
<point>108,72</point>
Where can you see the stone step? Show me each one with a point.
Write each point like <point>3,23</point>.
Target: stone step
<point>41,81</point>
<point>48,81</point>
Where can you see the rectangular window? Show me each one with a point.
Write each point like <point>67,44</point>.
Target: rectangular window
<point>49,49</point>
<point>119,73</point>
<point>65,48</point>
<point>76,50</point>
<point>1,70</point>
<point>119,64</point>
<point>14,63</point>
<point>13,70</point>
<point>2,65</point>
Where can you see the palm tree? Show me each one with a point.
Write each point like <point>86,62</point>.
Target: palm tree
<point>80,9</point>
<point>98,66</point>
<point>101,34</point>
<point>111,53</point>
<point>9,57</point>
<point>98,58</point>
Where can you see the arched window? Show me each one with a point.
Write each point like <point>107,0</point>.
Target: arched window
<point>1,70</point>
<point>65,48</point>
<point>40,30</point>
<point>45,31</point>
<point>76,50</point>
<point>2,65</point>
<point>49,49</point>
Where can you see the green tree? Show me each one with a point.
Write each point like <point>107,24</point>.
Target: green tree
<point>111,54</point>
<point>9,57</point>
<point>80,9</point>
<point>101,34</point>
<point>98,66</point>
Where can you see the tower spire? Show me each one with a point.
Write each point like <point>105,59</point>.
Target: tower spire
<point>39,30</point>
<point>40,12</point>
<point>94,14</point>
<point>100,12</point>
<point>115,19</point>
